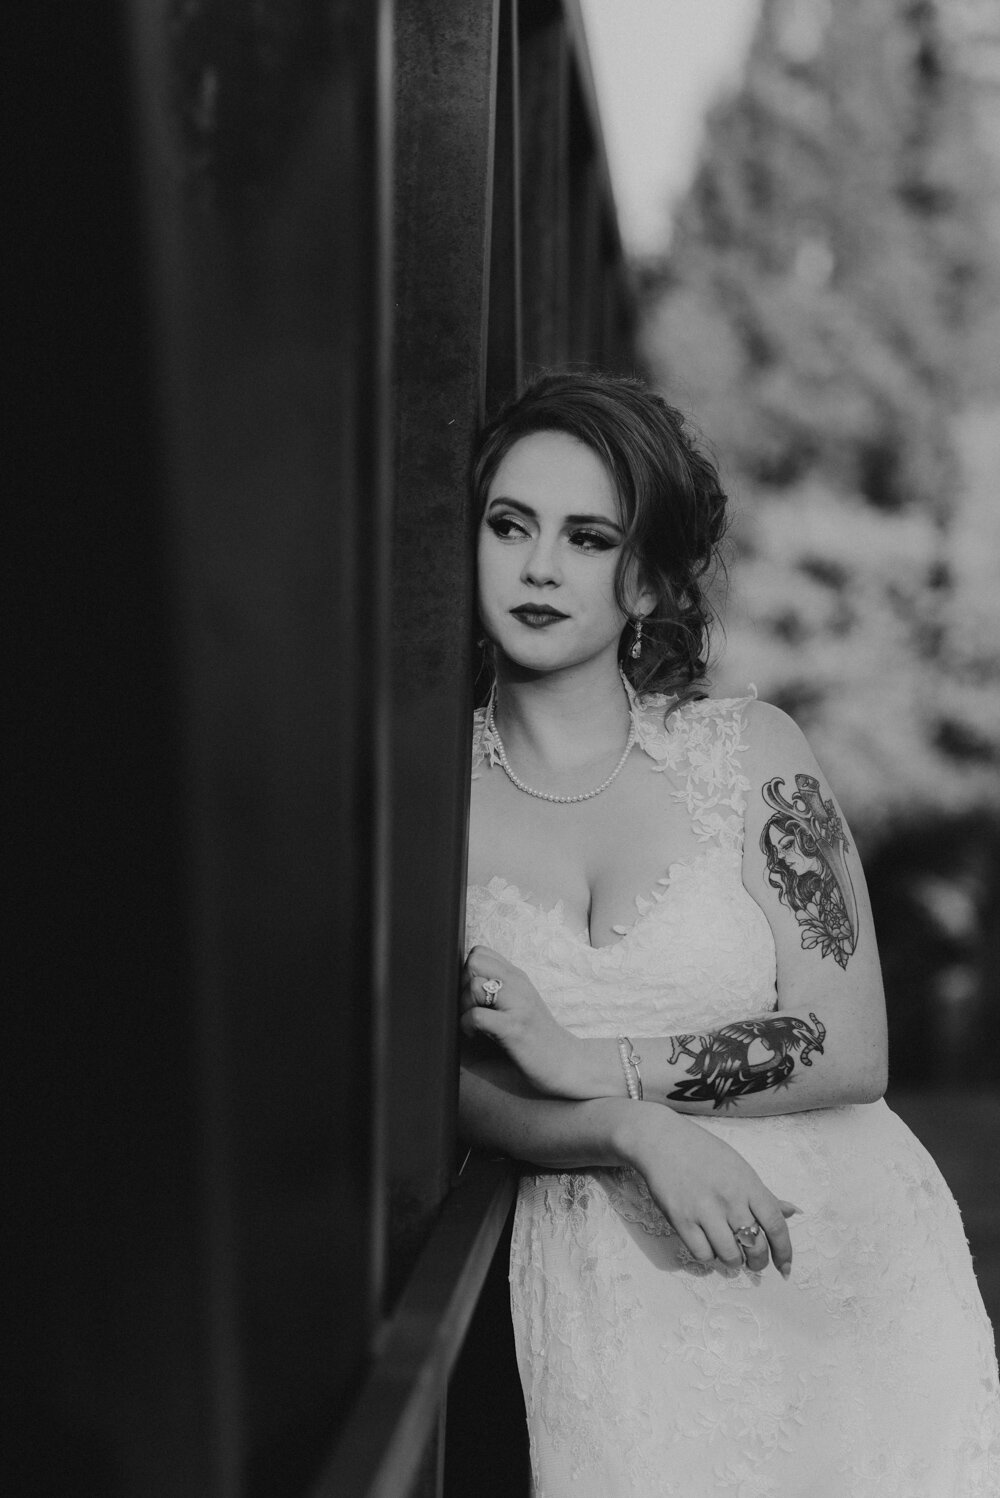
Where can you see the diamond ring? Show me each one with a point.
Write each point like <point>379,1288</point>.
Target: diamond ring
<point>491,987</point>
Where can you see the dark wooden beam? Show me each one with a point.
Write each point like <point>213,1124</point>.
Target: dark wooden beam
<point>199,764</point>
<point>585,270</point>
<point>544,144</point>
<point>266,154</point>
<point>505,355</point>
<point>445,109</point>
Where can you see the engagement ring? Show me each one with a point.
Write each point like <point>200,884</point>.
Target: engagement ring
<point>491,987</point>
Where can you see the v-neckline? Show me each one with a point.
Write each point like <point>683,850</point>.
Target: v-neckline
<point>645,904</point>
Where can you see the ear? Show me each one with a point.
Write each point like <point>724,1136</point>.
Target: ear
<point>639,597</point>
<point>643,602</point>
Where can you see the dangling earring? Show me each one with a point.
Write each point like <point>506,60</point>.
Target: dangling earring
<point>636,650</point>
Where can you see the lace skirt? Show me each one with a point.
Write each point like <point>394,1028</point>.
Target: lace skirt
<point>871,1373</point>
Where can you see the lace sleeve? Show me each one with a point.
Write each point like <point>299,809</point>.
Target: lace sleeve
<point>702,744</point>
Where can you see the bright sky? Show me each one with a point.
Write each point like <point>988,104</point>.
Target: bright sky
<point>658,66</point>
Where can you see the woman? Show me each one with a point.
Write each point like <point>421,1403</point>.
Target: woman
<point>687,1047</point>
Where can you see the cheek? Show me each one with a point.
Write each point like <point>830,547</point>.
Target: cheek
<point>604,588</point>
<point>490,571</point>
<point>484,557</point>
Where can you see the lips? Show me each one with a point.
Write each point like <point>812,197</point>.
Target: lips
<point>537,615</point>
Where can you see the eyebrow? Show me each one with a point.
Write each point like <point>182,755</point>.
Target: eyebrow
<point>526,510</point>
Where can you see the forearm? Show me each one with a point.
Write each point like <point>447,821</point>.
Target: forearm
<point>499,1110</point>
<point>703,1187</point>
<point>784,1062</point>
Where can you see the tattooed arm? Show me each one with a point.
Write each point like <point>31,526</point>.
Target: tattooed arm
<point>825,1042</point>
<point>801,866</point>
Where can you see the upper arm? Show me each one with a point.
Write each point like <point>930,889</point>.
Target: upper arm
<point>801,866</point>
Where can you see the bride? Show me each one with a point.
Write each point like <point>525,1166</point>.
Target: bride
<point>734,1270</point>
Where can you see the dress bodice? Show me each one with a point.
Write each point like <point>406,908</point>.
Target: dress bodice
<point>699,952</point>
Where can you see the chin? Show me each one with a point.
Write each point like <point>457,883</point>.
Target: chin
<point>533,660</point>
<point>546,661</point>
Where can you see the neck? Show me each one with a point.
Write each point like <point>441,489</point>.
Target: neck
<point>562,720</point>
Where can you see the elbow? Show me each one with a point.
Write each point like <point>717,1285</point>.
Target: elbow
<point>871,1084</point>
<point>880,1066</point>
<point>861,1077</point>
<point>871,1073</point>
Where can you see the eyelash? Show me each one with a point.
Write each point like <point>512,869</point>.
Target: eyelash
<point>590,541</point>
<point>596,540</point>
<point>497,524</point>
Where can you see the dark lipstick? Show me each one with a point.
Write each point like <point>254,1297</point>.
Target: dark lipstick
<point>537,616</point>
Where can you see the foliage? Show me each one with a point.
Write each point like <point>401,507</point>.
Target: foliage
<point>827,311</point>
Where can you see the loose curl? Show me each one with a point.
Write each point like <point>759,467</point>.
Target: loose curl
<point>670,499</point>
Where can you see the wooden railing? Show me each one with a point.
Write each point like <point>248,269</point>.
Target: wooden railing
<point>397,1414</point>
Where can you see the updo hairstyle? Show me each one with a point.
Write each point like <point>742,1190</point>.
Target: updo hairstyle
<point>671,502</point>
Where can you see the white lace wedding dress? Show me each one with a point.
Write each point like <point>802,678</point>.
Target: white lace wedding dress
<point>871,1372</point>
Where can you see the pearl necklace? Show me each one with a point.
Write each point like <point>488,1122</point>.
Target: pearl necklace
<point>491,729</point>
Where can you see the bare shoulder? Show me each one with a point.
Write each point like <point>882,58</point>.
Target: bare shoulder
<point>771,730</point>
<point>778,754</point>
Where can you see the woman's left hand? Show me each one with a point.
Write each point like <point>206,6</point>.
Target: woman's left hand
<point>499,1000</point>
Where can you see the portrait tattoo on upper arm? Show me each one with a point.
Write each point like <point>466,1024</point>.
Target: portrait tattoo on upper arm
<point>806,853</point>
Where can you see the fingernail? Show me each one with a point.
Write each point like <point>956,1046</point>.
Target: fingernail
<point>785,1271</point>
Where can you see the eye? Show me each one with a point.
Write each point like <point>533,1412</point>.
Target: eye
<point>586,540</point>
<point>505,527</point>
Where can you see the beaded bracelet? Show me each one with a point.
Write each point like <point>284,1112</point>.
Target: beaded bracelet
<point>630,1063</point>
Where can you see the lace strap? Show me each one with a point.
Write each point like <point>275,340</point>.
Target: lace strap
<point>478,730</point>
<point>483,743</point>
<point>702,744</point>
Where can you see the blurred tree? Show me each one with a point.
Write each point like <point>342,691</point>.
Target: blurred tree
<point>829,311</point>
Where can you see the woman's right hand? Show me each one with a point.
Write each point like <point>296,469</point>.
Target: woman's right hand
<point>706,1190</point>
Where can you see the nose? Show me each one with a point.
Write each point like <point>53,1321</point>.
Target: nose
<point>541,564</point>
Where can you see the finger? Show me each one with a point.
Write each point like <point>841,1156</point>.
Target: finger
<point>771,1219</point>
<point>480,1021</point>
<point>756,1254</point>
<point>725,1246</point>
<point>472,995</point>
<point>695,1241</point>
<point>754,1246</point>
<point>485,962</point>
<point>473,992</point>
<point>481,973</point>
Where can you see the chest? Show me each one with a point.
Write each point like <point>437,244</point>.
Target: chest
<point>595,859</point>
<point>696,954</point>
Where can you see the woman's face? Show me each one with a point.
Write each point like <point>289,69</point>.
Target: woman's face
<point>791,855</point>
<point>549,544</point>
